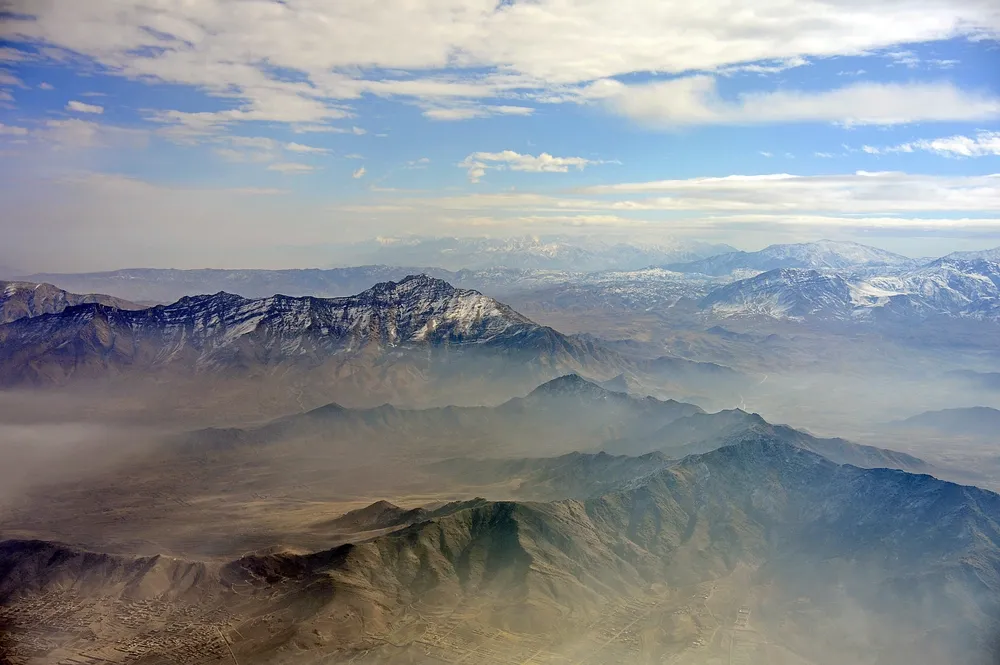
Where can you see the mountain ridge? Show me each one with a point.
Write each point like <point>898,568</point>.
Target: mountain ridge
<point>227,331</point>
<point>822,254</point>
<point>809,527</point>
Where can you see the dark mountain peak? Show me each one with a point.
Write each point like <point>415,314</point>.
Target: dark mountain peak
<point>331,409</point>
<point>379,515</point>
<point>221,299</point>
<point>418,284</point>
<point>569,385</point>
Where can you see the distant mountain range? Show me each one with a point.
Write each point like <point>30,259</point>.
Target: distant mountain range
<point>984,254</point>
<point>913,559</point>
<point>613,289</point>
<point>565,414</point>
<point>821,255</point>
<point>976,421</point>
<point>527,253</point>
<point>825,280</point>
<point>944,288</point>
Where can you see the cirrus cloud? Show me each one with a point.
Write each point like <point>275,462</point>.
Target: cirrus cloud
<point>479,162</point>
<point>983,144</point>
<point>695,100</point>
<point>81,107</point>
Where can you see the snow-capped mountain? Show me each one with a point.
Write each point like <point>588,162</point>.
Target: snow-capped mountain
<point>527,253</point>
<point>785,293</point>
<point>948,288</point>
<point>821,255</point>
<point>986,254</point>
<point>229,332</point>
<point>20,299</point>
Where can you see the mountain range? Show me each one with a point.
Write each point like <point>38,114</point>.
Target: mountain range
<point>563,415</point>
<point>912,559</point>
<point>820,255</point>
<point>228,333</point>
<point>945,288</point>
<point>823,280</point>
<point>390,342</point>
<point>976,421</point>
<point>528,253</point>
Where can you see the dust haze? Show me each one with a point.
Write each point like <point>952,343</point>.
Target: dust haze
<point>562,484</point>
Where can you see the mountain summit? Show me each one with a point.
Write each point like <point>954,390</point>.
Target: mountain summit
<point>226,332</point>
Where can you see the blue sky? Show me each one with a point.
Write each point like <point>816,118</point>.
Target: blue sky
<point>244,133</point>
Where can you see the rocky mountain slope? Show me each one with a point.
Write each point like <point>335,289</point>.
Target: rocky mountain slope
<point>985,254</point>
<point>943,289</point>
<point>25,299</point>
<point>913,559</point>
<point>225,333</point>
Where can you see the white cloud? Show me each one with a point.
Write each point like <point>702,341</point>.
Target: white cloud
<point>479,162</point>
<point>764,153</point>
<point>695,100</point>
<point>257,142</point>
<point>905,58</point>
<point>8,54</point>
<point>7,78</point>
<point>46,86</point>
<point>911,60</point>
<point>9,130</point>
<point>983,144</point>
<point>75,133</point>
<point>81,107</point>
<point>418,163</point>
<point>243,156</point>
<point>337,52</point>
<point>777,195</point>
<point>823,155</point>
<point>764,68</point>
<point>862,192</point>
<point>290,167</point>
<point>298,147</point>
<point>153,224</point>
<point>360,173</point>
<point>328,129</point>
<point>470,111</point>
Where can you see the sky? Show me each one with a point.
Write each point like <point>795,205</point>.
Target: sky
<point>255,133</point>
